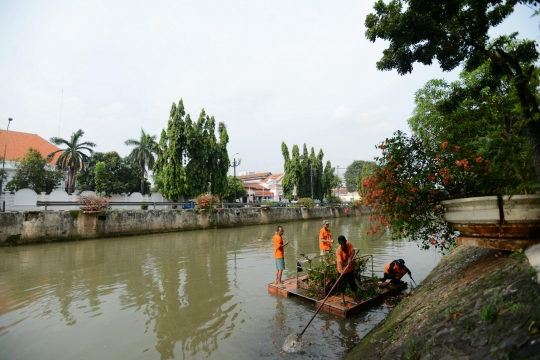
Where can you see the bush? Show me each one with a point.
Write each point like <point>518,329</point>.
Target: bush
<point>92,203</point>
<point>144,207</point>
<point>208,202</point>
<point>307,202</point>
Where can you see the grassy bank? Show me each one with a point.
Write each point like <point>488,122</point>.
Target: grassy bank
<point>476,304</point>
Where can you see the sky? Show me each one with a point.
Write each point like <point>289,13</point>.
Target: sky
<point>301,72</point>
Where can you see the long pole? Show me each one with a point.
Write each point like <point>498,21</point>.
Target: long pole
<point>4,165</point>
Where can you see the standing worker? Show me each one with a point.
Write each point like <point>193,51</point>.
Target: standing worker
<point>395,270</point>
<point>325,238</point>
<point>345,266</point>
<point>279,253</point>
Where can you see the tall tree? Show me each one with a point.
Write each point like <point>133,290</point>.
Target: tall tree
<point>456,32</point>
<point>143,154</point>
<point>208,160</point>
<point>298,172</point>
<point>32,173</point>
<point>169,166</point>
<point>73,156</point>
<point>230,193</point>
<point>330,180</point>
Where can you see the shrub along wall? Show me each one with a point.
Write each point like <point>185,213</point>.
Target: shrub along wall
<point>46,226</point>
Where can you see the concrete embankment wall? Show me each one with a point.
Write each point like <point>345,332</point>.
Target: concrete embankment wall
<point>46,226</point>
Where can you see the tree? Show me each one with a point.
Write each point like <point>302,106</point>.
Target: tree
<point>456,32</point>
<point>123,175</point>
<point>190,156</point>
<point>169,165</point>
<point>330,180</point>
<point>208,160</point>
<point>298,172</point>
<point>353,173</point>
<point>33,173</point>
<point>102,177</point>
<point>477,105</point>
<point>73,157</point>
<point>229,193</point>
<point>143,154</point>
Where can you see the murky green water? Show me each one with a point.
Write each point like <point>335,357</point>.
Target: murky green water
<point>190,295</point>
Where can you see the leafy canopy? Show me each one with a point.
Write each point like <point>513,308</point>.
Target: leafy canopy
<point>32,172</point>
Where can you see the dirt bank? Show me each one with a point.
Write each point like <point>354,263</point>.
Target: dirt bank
<point>476,304</point>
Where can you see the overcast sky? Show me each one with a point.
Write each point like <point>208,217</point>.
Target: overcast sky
<point>273,71</point>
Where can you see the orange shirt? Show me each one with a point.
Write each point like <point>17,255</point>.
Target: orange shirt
<point>343,256</point>
<point>326,235</point>
<point>396,268</point>
<point>278,251</point>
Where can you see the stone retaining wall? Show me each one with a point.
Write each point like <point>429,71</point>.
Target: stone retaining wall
<point>46,226</point>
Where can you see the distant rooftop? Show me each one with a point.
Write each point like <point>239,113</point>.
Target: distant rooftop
<point>19,143</point>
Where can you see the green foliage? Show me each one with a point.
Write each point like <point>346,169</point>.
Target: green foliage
<point>144,207</point>
<point>102,176</point>
<point>488,313</point>
<point>143,155</point>
<point>269,203</point>
<point>190,157</point>
<point>307,202</point>
<point>412,178</point>
<point>330,180</point>
<point>354,172</point>
<point>33,173</point>
<point>73,156</point>
<point>229,194</point>
<point>302,172</point>
<point>457,32</point>
<point>328,266</point>
<point>120,175</point>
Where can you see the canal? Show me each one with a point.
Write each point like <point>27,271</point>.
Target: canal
<point>184,295</point>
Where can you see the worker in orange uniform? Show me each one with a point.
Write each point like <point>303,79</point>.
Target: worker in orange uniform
<point>325,238</point>
<point>279,253</point>
<point>395,270</point>
<point>345,266</point>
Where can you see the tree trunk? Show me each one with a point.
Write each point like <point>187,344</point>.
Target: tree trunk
<point>534,138</point>
<point>142,183</point>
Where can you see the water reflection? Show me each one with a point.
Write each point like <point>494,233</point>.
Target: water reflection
<point>188,295</point>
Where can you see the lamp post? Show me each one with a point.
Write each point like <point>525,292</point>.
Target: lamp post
<point>311,181</point>
<point>4,165</point>
<point>339,182</point>
<point>234,164</point>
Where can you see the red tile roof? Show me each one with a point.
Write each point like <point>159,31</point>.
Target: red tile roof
<point>19,143</point>
<point>261,176</point>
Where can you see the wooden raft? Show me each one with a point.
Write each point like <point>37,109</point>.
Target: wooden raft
<point>333,303</point>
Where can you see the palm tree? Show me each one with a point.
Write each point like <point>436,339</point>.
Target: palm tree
<point>73,157</point>
<point>143,154</point>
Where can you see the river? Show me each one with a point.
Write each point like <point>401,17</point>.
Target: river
<point>184,295</point>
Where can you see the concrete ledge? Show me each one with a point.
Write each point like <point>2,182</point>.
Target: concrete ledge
<point>497,243</point>
<point>47,226</point>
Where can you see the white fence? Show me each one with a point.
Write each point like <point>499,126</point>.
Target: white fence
<point>26,200</point>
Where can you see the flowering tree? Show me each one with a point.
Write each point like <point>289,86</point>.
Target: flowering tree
<point>411,178</point>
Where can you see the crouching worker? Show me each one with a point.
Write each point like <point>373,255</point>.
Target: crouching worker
<point>395,270</point>
<point>345,266</point>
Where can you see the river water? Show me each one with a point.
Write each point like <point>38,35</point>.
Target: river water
<point>184,295</point>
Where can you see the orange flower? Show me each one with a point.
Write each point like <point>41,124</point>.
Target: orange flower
<point>444,144</point>
<point>431,177</point>
<point>479,159</point>
<point>382,147</point>
<point>457,148</point>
